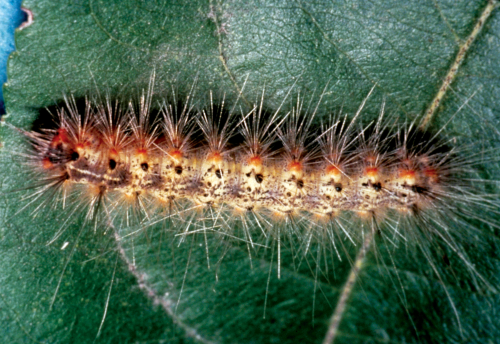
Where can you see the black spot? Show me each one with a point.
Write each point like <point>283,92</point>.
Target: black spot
<point>288,194</point>
<point>209,184</point>
<point>178,169</point>
<point>404,195</point>
<point>112,164</point>
<point>145,166</point>
<point>74,156</point>
<point>218,173</point>
<point>205,195</point>
<point>377,186</point>
<point>338,187</point>
<point>364,184</point>
<point>259,178</point>
<point>248,174</point>
<point>328,197</point>
<point>419,189</point>
<point>249,189</point>
<point>300,183</point>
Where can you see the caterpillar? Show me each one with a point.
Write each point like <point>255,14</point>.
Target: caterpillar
<point>124,266</point>
<point>272,182</point>
<point>123,158</point>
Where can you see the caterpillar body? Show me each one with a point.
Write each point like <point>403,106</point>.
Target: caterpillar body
<point>343,169</point>
<point>258,225</point>
<point>258,179</point>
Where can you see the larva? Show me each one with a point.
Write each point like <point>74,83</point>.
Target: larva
<point>284,187</point>
<point>401,292</point>
<point>129,159</point>
<point>128,162</point>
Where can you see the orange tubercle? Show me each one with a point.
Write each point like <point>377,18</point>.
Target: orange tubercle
<point>333,170</point>
<point>47,164</point>
<point>60,137</point>
<point>175,154</point>
<point>80,147</point>
<point>371,172</point>
<point>295,166</point>
<point>255,161</point>
<point>141,153</point>
<point>408,175</point>
<point>63,134</point>
<point>215,157</point>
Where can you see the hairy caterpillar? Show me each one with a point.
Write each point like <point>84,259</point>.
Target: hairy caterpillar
<point>272,183</point>
<point>401,292</point>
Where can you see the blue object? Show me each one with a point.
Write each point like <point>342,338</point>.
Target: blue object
<point>11,16</point>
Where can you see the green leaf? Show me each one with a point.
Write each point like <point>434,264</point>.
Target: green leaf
<point>133,284</point>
